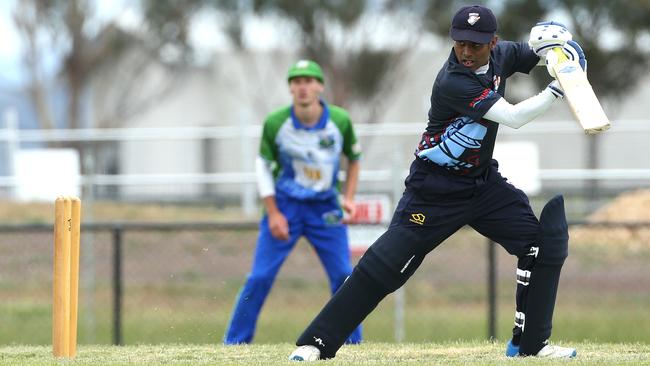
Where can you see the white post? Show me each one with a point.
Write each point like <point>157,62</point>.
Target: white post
<point>89,282</point>
<point>248,154</point>
<point>13,144</point>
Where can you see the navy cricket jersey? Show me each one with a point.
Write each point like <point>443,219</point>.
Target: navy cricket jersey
<point>462,139</point>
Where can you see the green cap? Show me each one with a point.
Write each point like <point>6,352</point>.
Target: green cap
<point>305,68</point>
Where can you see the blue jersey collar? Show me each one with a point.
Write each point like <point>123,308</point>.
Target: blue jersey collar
<point>318,126</point>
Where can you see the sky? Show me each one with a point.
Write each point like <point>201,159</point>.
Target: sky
<point>10,47</point>
<point>205,35</point>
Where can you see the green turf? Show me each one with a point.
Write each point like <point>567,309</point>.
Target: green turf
<point>185,293</point>
<point>451,353</point>
<point>149,321</point>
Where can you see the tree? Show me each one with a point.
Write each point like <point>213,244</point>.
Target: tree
<point>341,36</point>
<point>83,48</point>
<point>63,23</point>
<point>88,53</point>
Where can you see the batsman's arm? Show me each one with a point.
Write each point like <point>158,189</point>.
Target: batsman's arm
<point>563,48</point>
<point>517,115</point>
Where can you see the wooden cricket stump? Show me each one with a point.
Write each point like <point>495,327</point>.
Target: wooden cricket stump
<point>65,281</point>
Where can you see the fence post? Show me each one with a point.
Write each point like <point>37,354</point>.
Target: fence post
<point>247,156</point>
<point>89,268</point>
<point>117,285</point>
<point>492,291</point>
<point>209,152</point>
<point>13,145</point>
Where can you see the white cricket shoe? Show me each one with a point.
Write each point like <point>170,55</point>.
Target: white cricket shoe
<point>305,353</point>
<point>550,351</point>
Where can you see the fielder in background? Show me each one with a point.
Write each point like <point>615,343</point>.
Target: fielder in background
<point>297,171</point>
<point>454,182</point>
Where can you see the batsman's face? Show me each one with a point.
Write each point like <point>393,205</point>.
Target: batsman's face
<point>305,90</point>
<point>473,55</point>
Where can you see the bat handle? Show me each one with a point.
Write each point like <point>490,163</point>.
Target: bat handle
<point>560,54</point>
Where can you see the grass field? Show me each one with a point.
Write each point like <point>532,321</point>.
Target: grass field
<point>179,288</point>
<point>457,353</point>
<point>439,308</point>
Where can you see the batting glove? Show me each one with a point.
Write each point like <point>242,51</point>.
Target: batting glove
<point>572,51</point>
<point>547,35</point>
<point>555,88</point>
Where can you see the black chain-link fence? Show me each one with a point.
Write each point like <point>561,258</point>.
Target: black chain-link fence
<point>155,283</point>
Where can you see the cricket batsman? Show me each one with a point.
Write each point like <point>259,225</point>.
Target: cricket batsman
<point>454,181</point>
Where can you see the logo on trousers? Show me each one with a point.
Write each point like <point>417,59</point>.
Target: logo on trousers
<point>334,217</point>
<point>417,218</point>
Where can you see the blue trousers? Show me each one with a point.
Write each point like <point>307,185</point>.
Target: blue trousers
<point>320,223</point>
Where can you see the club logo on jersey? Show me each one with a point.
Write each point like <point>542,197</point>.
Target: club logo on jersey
<point>496,81</point>
<point>417,218</point>
<point>473,18</point>
<point>326,142</point>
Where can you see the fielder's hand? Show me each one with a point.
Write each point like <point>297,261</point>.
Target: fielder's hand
<point>547,35</point>
<point>349,207</point>
<point>279,226</point>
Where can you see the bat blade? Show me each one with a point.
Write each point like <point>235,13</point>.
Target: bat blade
<point>581,97</point>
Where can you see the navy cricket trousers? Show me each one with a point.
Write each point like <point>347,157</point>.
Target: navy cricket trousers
<point>437,203</point>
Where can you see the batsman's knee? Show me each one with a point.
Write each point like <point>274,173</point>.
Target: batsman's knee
<point>392,259</point>
<point>554,233</point>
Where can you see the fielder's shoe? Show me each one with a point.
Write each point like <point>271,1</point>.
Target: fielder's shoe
<point>550,351</point>
<point>305,353</point>
<point>511,349</point>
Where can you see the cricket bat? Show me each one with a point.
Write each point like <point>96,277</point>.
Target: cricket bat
<point>581,97</point>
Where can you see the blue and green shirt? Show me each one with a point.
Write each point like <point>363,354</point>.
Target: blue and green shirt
<point>305,160</point>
